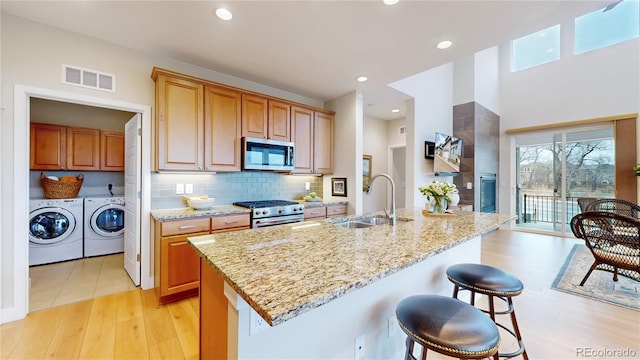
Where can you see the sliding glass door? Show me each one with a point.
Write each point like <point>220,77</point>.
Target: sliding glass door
<point>554,169</point>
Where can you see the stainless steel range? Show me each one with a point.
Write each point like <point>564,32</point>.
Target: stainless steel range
<point>273,212</point>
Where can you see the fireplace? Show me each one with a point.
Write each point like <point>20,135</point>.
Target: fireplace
<point>488,193</point>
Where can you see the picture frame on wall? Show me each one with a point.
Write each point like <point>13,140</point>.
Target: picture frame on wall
<point>366,171</point>
<point>339,186</point>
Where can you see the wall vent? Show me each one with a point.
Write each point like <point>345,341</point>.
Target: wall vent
<point>403,130</point>
<point>92,79</point>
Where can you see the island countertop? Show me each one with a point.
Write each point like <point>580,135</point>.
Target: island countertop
<point>284,271</point>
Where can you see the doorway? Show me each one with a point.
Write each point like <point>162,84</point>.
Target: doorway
<point>556,168</point>
<point>22,96</point>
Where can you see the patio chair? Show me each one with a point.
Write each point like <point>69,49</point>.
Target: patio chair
<point>621,207</point>
<point>614,242</point>
<point>583,202</point>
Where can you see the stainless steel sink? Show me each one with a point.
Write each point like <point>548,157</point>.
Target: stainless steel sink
<point>376,221</point>
<point>354,224</point>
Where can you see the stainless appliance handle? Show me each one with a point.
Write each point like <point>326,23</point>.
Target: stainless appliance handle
<point>277,221</point>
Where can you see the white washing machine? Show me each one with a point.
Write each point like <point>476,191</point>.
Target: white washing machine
<point>103,225</point>
<point>55,230</point>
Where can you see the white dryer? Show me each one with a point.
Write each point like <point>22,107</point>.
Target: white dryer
<point>55,230</point>
<point>103,225</point>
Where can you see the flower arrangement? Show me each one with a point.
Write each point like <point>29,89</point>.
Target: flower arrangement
<point>439,191</point>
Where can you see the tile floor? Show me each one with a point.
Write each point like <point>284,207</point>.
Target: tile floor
<point>76,280</point>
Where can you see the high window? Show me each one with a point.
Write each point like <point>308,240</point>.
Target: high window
<point>536,49</point>
<point>618,22</point>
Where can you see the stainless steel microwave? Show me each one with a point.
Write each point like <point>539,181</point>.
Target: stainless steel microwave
<point>264,154</point>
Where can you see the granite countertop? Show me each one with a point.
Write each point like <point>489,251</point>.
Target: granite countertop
<point>189,213</point>
<point>284,271</point>
<point>220,210</point>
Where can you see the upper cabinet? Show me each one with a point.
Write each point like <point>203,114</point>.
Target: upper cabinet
<point>48,147</point>
<point>222,117</point>
<point>57,147</point>
<point>83,149</point>
<point>279,124</point>
<point>200,125</point>
<point>111,150</point>
<point>265,119</point>
<point>179,124</point>
<point>312,133</point>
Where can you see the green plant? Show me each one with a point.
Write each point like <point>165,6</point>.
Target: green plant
<point>637,169</point>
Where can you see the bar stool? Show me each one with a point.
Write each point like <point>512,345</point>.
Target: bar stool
<point>492,282</point>
<point>447,326</point>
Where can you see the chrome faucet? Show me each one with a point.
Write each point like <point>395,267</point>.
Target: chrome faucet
<point>390,215</point>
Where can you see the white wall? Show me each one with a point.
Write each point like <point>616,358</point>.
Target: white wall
<point>432,112</point>
<point>599,83</point>
<point>32,55</point>
<point>347,148</point>
<point>375,144</point>
<point>487,78</point>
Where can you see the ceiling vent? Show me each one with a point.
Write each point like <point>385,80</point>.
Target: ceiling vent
<point>73,75</point>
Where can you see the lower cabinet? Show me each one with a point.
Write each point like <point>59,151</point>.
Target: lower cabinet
<point>321,212</point>
<point>336,210</point>
<point>177,265</point>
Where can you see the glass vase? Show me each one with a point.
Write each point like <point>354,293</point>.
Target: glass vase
<point>439,205</point>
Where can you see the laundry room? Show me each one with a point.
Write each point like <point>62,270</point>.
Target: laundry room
<point>76,202</point>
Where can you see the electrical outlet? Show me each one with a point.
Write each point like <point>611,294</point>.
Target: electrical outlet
<point>179,189</point>
<point>188,188</point>
<point>359,349</point>
<point>307,185</point>
<point>393,325</point>
<point>257,323</point>
<point>469,185</point>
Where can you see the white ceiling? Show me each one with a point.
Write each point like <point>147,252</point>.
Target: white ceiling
<point>311,48</point>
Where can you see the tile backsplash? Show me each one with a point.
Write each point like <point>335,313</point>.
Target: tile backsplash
<point>227,188</point>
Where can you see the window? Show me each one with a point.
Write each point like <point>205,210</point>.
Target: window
<point>536,49</point>
<point>618,22</point>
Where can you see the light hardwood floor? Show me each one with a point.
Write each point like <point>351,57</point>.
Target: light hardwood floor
<point>131,325</point>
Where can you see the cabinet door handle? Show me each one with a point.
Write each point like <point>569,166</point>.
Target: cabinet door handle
<point>230,222</point>
<point>184,227</point>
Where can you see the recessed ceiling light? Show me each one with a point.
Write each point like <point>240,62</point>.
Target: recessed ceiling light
<point>395,110</point>
<point>362,78</point>
<point>224,14</point>
<point>390,2</point>
<point>444,44</point>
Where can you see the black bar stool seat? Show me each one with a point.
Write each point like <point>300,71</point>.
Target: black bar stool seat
<point>492,282</point>
<point>447,326</point>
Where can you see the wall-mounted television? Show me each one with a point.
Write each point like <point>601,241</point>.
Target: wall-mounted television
<point>447,155</point>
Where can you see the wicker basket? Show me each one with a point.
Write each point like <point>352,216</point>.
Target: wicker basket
<point>54,189</point>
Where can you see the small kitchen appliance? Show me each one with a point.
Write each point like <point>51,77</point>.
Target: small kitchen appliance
<point>273,212</point>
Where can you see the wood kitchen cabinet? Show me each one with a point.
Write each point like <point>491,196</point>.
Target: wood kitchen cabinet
<point>179,124</point>
<point>318,212</point>
<point>222,128</point>
<point>312,133</point>
<point>48,147</point>
<point>279,122</point>
<point>111,150</point>
<point>266,119</point>
<point>176,264</point>
<point>255,112</point>
<point>336,210</point>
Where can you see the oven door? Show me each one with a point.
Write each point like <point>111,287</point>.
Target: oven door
<point>278,220</point>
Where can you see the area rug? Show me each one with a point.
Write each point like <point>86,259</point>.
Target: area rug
<point>600,285</point>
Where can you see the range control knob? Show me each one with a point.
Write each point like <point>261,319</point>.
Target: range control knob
<point>264,212</point>
<point>280,211</point>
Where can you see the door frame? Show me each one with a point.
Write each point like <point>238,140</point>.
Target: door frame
<point>21,103</point>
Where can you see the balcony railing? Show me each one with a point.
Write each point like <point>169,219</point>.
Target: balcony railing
<point>546,209</point>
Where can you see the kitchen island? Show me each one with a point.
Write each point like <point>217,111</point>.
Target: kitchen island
<point>318,286</point>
